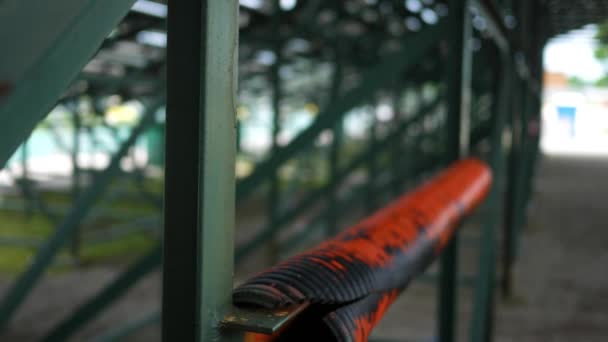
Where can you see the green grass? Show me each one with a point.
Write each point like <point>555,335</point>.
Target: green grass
<point>14,225</point>
<point>124,249</point>
<point>18,232</point>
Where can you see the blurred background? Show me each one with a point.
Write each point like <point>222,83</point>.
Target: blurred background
<point>89,177</point>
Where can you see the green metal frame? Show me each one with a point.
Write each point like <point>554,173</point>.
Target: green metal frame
<point>199,179</point>
<point>483,304</point>
<point>199,194</point>
<point>346,103</point>
<point>383,73</point>
<point>336,144</point>
<point>458,130</point>
<point>274,195</point>
<point>48,78</point>
<point>44,257</point>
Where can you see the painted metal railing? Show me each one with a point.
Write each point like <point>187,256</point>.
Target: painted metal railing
<point>348,282</point>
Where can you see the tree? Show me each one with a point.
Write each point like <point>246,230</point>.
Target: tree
<point>601,51</point>
<point>576,82</point>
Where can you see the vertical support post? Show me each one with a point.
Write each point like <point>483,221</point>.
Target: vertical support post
<point>511,190</point>
<point>372,165</point>
<point>239,135</point>
<point>334,150</point>
<point>25,151</point>
<point>75,243</point>
<point>25,179</point>
<point>516,183</point>
<point>398,159</point>
<point>459,103</point>
<point>275,78</point>
<point>199,179</point>
<point>483,305</point>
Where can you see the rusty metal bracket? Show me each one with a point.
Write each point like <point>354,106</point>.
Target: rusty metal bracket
<point>261,320</point>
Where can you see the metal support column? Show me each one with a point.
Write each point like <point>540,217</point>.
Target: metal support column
<point>76,176</point>
<point>371,201</point>
<point>199,179</point>
<point>275,78</point>
<point>372,164</point>
<point>511,190</point>
<point>483,305</point>
<point>334,150</point>
<point>397,152</point>
<point>27,186</point>
<point>459,103</point>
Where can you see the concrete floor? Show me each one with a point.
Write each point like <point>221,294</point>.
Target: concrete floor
<point>561,284</point>
<point>560,288</point>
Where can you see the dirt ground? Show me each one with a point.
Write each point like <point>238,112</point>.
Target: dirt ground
<point>560,288</point>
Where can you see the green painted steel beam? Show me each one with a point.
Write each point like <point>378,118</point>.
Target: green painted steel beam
<point>460,56</point>
<point>198,252</point>
<point>511,191</point>
<point>274,195</point>
<point>336,145</point>
<point>413,49</point>
<point>76,178</point>
<point>372,162</point>
<point>61,235</point>
<point>482,317</point>
<point>42,63</point>
<point>397,148</point>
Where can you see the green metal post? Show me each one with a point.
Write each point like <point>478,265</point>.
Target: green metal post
<point>334,151</point>
<point>24,159</point>
<point>397,157</point>
<point>199,179</point>
<point>459,102</point>
<point>372,163</point>
<point>274,193</point>
<point>510,218</point>
<point>239,135</point>
<point>75,243</point>
<point>482,321</point>
<point>522,166</point>
<point>25,179</point>
<point>20,289</point>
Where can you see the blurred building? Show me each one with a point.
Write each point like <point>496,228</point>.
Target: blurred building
<point>575,117</point>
